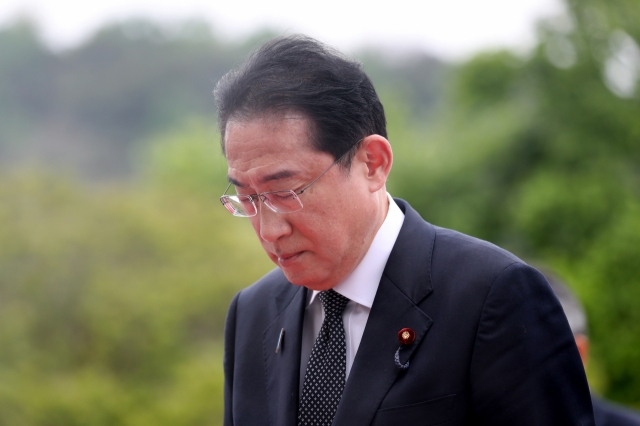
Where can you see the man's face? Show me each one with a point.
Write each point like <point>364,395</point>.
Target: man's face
<point>318,246</point>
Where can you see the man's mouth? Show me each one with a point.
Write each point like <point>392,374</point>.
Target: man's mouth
<point>285,260</point>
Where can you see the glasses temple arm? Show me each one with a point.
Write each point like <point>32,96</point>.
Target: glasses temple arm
<point>225,191</point>
<point>334,163</point>
<point>314,181</point>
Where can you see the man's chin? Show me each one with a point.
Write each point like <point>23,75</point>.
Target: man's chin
<point>296,277</point>
<point>306,280</point>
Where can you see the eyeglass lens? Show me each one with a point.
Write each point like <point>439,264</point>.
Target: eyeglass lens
<point>278,201</point>
<point>241,206</point>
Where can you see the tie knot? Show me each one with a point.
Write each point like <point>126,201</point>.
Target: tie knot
<point>333,302</point>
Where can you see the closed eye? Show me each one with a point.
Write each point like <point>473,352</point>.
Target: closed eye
<point>282,195</point>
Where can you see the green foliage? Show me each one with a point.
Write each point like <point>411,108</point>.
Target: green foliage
<point>112,301</point>
<point>186,158</point>
<point>610,274</point>
<point>414,78</point>
<point>486,79</point>
<point>86,109</point>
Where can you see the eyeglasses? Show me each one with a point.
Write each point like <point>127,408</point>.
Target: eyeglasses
<point>286,201</point>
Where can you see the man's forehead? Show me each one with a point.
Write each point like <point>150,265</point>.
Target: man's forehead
<point>253,142</point>
<point>266,135</point>
<point>278,175</point>
<point>271,123</point>
<point>267,149</point>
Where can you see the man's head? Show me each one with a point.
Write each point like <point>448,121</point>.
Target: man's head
<point>286,115</point>
<point>298,74</point>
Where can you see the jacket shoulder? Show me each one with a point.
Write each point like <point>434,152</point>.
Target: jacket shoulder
<point>469,264</point>
<point>460,247</point>
<point>443,260</point>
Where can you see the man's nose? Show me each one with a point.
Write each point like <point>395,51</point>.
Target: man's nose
<point>273,225</point>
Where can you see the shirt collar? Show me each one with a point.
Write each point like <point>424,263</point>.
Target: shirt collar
<point>362,284</point>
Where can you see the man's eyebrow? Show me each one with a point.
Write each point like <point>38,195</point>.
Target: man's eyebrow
<point>283,174</point>
<point>235,182</point>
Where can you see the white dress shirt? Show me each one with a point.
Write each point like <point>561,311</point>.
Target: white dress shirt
<point>359,287</point>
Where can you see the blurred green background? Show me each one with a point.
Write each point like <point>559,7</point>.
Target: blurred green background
<point>117,262</point>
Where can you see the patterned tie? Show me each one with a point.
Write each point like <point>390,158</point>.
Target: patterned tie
<point>325,376</point>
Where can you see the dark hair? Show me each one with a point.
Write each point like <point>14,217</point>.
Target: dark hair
<point>300,74</point>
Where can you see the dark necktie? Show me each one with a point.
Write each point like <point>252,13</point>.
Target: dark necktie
<point>326,372</point>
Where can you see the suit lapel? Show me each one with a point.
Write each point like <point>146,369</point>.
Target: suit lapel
<point>283,368</point>
<point>405,282</point>
<point>374,369</point>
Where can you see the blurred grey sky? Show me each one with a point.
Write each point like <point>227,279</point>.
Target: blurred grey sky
<point>452,29</point>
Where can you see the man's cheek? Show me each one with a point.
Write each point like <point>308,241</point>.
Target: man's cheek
<point>272,256</point>
<point>255,223</point>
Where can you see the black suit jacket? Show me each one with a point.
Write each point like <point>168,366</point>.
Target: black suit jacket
<point>492,347</point>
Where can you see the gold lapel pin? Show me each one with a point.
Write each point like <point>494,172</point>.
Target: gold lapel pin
<point>406,336</point>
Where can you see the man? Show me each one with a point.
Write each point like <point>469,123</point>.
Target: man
<point>373,316</point>
<point>605,413</point>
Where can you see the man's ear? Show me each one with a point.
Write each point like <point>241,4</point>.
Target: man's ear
<point>376,156</point>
